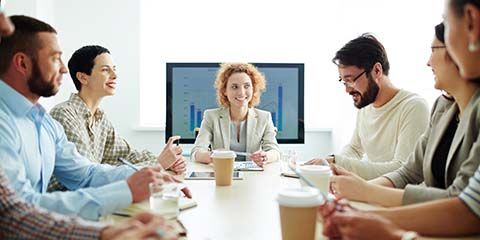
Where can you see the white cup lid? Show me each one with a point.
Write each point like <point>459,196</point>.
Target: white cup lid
<point>223,154</point>
<point>314,169</point>
<point>299,197</point>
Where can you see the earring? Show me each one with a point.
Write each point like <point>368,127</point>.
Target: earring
<point>472,47</point>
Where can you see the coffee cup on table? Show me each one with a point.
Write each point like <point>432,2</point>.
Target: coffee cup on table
<point>318,175</point>
<point>298,212</point>
<point>223,161</point>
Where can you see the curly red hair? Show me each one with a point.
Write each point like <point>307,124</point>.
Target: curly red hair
<point>227,69</point>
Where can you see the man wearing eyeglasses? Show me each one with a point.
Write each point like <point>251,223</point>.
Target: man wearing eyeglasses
<point>389,120</point>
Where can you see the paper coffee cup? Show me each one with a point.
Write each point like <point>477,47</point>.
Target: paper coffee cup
<point>223,166</point>
<point>298,212</point>
<point>318,175</point>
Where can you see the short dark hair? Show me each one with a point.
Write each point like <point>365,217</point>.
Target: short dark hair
<point>363,52</point>
<point>83,61</point>
<point>24,39</point>
<point>459,4</point>
<point>440,32</point>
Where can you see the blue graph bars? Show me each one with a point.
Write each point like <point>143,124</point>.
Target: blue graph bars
<point>274,118</point>
<point>198,117</point>
<point>277,117</point>
<point>280,108</point>
<point>192,117</point>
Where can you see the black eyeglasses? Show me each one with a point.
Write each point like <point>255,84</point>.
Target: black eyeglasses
<point>350,83</point>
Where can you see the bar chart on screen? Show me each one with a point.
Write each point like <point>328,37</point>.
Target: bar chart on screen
<point>191,91</point>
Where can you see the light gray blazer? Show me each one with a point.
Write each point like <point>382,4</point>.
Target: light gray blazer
<point>215,131</point>
<point>462,160</point>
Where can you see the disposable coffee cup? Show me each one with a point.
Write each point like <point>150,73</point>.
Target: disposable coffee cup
<point>223,166</point>
<point>318,175</point>
<point>298,212</point>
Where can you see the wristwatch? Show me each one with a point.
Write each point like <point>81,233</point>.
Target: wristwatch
<point>409,235</point>
<point>331,156</point>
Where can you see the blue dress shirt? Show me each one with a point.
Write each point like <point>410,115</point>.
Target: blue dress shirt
<point>33,146</point>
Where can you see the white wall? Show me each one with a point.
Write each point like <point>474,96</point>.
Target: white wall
<point>287,31</point>
<point>209,30</point>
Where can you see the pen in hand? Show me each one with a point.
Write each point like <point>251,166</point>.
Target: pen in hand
<point>245,154</point>
<point>124,161</point>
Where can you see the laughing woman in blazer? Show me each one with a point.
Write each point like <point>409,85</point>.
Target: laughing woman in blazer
<point>445,156</point>
<point>237,125</point>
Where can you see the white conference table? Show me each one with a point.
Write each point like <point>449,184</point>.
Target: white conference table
<point>245,210</point>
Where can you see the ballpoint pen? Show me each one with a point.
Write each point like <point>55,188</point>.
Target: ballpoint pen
<point>124,161</point>
<point>122,214</point>
<point>243,154</point>
<point>310,184</point>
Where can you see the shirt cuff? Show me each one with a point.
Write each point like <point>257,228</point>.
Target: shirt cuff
<point>470,202</point>
<point>339,160</point>
<point>396,179</point>
<point>119,196</point>
<point>192,156</point>
<point>418,193</point>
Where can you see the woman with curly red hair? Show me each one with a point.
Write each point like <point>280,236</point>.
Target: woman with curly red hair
<point>236,125</point>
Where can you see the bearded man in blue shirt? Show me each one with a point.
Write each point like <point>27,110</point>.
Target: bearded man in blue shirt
<point>33,146</point>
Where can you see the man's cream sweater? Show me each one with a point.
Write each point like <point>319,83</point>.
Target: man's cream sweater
<point>385,135</point>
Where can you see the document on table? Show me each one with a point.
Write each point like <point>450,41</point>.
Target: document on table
<point>184,203</point>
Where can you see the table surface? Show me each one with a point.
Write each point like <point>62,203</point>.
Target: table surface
<point>245,210</point>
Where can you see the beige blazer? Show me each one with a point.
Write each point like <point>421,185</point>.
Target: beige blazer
<point>215,131</point>
<point>462,160</point>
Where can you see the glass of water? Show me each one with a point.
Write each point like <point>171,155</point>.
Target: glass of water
<point>164,198</point>
<point>289,158</point>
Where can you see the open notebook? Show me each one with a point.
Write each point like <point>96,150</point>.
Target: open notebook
<point>184,203</point>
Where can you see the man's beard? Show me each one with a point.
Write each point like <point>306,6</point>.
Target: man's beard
<point>368,96</point>
<point>38,84</point>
